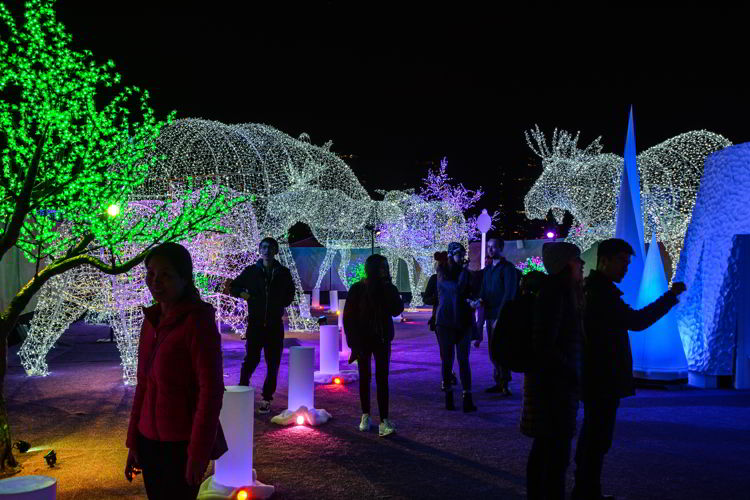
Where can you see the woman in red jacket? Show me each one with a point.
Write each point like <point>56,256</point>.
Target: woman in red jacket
<point>175,416</point>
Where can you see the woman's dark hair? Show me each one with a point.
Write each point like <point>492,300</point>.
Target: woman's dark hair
<point>371,310</point>
<point>565,279</point>
<point>179,257</point>
<point>373,264</point>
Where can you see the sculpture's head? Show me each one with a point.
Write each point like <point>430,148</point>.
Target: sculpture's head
<point>580,181</point>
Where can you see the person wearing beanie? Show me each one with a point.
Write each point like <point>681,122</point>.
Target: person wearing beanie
<point>454,323</point>
<point>549,417</point>
<point>607,359</point>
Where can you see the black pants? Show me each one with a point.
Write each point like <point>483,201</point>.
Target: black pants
<point>449,349</point>
<point>594,442</point>
<point>382,355</point>
<point>545,471</point>
<point>269,339</point>
<point>163,464</point>
<point>501,374</point>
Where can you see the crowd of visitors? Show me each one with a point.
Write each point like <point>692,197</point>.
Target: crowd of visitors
<point>567,334</point>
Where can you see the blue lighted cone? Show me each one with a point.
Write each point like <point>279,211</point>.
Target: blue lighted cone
<point>634,179</point>
<point>626,228</point>
<point>657,351</point>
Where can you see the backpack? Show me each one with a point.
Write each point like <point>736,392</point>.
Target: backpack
<point>511,343</point>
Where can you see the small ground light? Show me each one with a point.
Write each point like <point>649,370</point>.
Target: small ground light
<point>113,210</point>
<point>22,446</point>
<point>242,495</point>
<point>550,234</point>
<point>51,458</point>
<point>300,420</point>
<point>337,380</point>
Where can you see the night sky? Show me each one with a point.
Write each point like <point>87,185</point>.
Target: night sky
<point>396,91</point>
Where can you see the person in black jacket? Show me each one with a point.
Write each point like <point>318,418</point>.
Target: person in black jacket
<point>268,288</point>
<point>368,324</point>
<point>608,361</point>
<point>555,377</point>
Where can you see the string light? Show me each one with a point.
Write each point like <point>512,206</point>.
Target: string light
<point>585,182</point>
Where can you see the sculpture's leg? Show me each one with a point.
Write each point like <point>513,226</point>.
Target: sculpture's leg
<point>298,313</point>
<point>416,297</point>
<point>52,316</point>
<point>346,254</point>
<point>325,266</point>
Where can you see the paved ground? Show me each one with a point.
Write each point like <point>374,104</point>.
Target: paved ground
<point>668,444</point>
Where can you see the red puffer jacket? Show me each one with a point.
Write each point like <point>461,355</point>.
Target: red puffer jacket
<point>179,396</point>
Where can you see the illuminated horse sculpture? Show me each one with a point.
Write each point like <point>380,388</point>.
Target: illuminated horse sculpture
<point>585,182</point>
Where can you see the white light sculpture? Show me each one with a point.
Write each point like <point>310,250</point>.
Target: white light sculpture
<point>117,300</point>
<point>585,182</point>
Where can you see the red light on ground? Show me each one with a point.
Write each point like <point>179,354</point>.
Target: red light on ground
<point>337,380</point>
<point>243,495</point>
<point>300,420</point>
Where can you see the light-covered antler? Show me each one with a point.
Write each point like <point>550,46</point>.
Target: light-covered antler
<point>564,145</point>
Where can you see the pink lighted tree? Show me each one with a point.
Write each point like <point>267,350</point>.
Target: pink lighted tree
<point>439,186</point>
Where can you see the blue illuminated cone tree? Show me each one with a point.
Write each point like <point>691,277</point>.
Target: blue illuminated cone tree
<point>75,145</point>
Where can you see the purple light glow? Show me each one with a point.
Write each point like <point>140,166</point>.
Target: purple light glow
<point>550,234</point>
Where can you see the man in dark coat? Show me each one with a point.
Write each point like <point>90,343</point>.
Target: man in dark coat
<point>499,285</point>
<point>608,361</point>
<point>268,288</point>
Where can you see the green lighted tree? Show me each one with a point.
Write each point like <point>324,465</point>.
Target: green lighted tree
<point>76,144</point>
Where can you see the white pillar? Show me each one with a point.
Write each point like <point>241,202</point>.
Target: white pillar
<point>29,488</point>
<point>484,243</point>
<point>235,467</point>
<point>315,298</point>
<point>301,384</point>
<point>342,304</point>
<point>334,300</point>
<point>329,349</point>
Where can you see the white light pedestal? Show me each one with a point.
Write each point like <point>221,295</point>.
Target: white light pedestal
<point>301,399</point>
<point>28,488</point>
<point>333,301</point>
<point>329,359</point>
<point>234,469</point>
<point>315,298</point>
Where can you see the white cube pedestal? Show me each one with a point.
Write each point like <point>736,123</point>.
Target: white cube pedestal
<point>315,298</point>
<point>28,488</point>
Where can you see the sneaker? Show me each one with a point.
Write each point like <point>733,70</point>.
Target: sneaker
<point>365,423</point>
<point>386,428</point>
<point>264,406</point>
<point>495,389</point>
